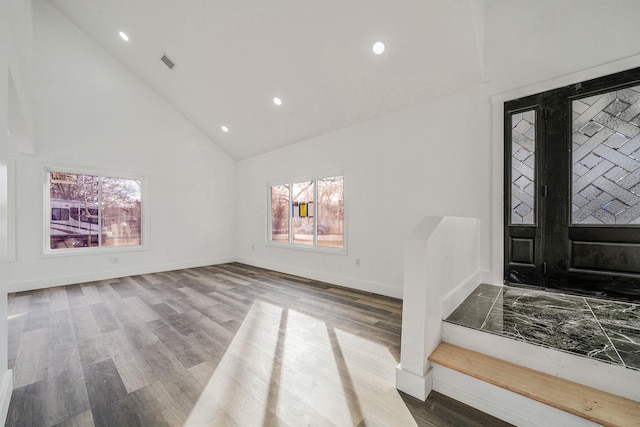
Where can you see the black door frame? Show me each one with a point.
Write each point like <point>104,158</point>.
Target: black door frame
<point>541,254</point>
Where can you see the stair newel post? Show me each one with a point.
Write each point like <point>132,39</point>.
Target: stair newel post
<point>441,260</point>
<point>419,339</point>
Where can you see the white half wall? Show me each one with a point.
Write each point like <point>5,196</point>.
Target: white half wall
<point>430,160</point>
<point>93,113</point>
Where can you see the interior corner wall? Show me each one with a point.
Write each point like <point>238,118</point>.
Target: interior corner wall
<point>4,126</point>
<point>6,375</point>
<point>433,159</point>
<point>91,112</point>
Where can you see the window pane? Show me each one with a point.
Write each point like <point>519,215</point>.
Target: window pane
<point>330,211</point>
<point>280,213</point>
<point>58,214</point>
<point>523,145</point>
<point>302,212</point>
<point>606,158</point>
<point>122,211</point>
<point>78,195</point>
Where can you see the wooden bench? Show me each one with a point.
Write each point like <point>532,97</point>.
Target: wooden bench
<point>586,402</point>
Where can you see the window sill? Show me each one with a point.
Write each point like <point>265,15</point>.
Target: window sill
<point>52,253</point>
<point>310,248</point>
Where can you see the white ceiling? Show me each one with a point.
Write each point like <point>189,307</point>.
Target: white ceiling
<point>234,56</point>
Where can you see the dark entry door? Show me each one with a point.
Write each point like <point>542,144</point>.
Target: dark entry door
<point>572,187</point>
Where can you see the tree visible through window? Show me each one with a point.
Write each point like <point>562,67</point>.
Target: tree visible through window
<point>280,213</point>
<point>90,210</point>
<point>309,213</point>
<point>330,211</point>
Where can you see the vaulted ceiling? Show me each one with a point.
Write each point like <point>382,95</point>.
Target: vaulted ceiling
<point>234,56</point>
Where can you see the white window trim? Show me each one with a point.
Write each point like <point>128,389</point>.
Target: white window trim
<point>46,208</point>
<point>10,247</point>
<point>301,246</point>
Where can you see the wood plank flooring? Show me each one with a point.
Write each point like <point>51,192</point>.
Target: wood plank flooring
<point>228,345</point>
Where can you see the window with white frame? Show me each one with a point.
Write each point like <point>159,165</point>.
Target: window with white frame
<point>308,213</point>
<point>84,210</point>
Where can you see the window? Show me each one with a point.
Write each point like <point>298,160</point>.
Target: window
<point>308,213</point>
<point>85,210</point>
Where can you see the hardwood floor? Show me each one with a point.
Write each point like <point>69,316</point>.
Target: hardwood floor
<point>227,345</point>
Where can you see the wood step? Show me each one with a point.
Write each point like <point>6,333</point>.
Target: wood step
<point>586,402</point>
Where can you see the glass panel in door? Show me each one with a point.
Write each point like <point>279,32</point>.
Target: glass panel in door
<point>523,183</point>
<point>606,158</point>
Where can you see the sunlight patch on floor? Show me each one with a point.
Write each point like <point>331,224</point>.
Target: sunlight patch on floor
<point>311,377</point>
<point>238,389</point>
<point>284,367</point>
<point>372,369</point>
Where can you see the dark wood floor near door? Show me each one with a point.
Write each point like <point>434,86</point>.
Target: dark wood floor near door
<point>227,345</point>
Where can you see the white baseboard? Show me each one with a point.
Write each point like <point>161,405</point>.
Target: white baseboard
<point>5,392</point>
<point>453,299</point>
<point>111,274</point>
<point>418,386</point>
<point>361,285</point>
<point>501,403</point>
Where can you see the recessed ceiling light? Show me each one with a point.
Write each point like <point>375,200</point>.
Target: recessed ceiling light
<point>124,37</point>
<point>277,101</point>
<point>378,48</point>
<point>224,129</point>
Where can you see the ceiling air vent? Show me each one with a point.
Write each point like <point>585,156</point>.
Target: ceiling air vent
<point>168,62</point>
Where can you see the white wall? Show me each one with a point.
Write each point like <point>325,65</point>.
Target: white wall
<point>21,122</point>
<point>532,41</point>
<point>5,374</point>
<point>429,160</point>
<point>4,125</point>
<point>92,113</point>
